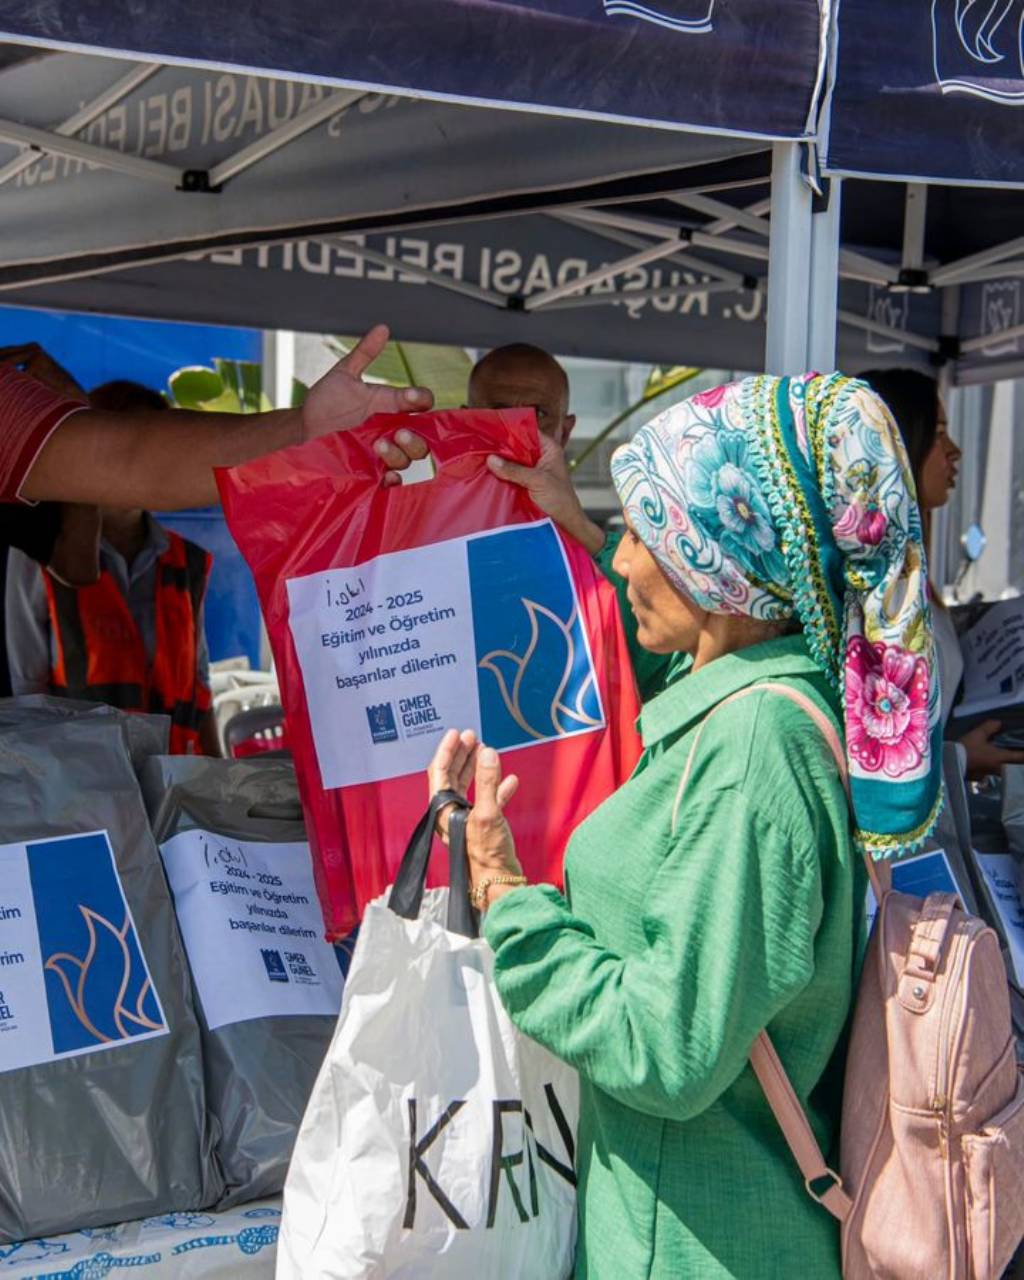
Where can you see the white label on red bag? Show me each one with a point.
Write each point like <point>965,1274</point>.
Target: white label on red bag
<point>73,976</point>
<point>252,927</point>
<point>481,632</point>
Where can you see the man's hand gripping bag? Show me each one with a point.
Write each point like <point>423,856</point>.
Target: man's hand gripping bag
<point>396,613</point>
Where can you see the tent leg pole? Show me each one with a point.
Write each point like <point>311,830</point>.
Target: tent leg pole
<point>824,281</point>
<point>278,366</point>
<point>939,569</point>
<point>788,263</point>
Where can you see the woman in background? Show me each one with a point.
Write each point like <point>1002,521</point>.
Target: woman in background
<point>914,401</point>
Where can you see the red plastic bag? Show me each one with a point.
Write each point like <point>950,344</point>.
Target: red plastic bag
<point>397,613</point>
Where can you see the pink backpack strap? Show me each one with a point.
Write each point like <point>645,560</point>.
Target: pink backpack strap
<point>764,1061</point>
<point>796,1129</point>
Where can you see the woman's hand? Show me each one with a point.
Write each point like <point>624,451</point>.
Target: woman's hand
<point>549,483</point>
<point>984,757</point>
<point>490,846</point>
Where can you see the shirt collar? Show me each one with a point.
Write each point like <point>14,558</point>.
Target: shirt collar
<point>689,699</point>
<point>157,542</point>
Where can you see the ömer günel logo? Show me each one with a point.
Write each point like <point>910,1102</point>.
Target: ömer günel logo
<point>382,723</point>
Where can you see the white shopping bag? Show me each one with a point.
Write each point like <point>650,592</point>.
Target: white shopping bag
<point>438,1141</point>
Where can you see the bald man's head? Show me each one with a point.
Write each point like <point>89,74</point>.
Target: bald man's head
<point>524,377</point>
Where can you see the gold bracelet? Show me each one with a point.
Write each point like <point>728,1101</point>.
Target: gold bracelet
<point>478,895</point>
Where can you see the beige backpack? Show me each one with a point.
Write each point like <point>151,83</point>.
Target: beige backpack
<point>932,1141</point>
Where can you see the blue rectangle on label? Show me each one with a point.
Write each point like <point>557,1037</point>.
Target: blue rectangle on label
<point>381,718</point>
<point>98,988</point>
<point>922,876</point>
<point>274,965</point>
<point>534,670</point>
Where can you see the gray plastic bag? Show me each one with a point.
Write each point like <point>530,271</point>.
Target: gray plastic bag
<point>147,735</point>
<point>102,1109</point>
<point>260,1069</point>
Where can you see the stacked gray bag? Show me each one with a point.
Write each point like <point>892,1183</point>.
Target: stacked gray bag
<point>119,1132</point>
<point>146,735</point>
<point>260,1072</point>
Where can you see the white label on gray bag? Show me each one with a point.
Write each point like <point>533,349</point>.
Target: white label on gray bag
<point>252,927</point>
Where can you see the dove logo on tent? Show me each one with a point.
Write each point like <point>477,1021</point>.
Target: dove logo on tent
<point>693,17</point>
<point>535,672</point>
<point>978,48</point>
<point>891,310</point>
<point>1001,312</point>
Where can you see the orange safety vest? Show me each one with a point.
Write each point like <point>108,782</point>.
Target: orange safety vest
<point>100,654</point>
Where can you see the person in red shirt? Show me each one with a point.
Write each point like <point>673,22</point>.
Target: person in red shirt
<point>55,446</point>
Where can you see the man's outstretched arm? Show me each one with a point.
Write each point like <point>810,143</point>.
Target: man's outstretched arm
<point>166,461</point>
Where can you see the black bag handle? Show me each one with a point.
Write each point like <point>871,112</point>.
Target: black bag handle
<point>462,918</point>
<point>407,892</point>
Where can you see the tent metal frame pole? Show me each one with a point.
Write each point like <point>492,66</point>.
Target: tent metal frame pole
<point>83,118</point>
<point>938,543</point>
<point>134,166</point>
<point>537,301</point>
<point>852,266</point>
<point>789,253</point>
<point>468,290</point>
<point>970,345</point>
<point>904,336</point>
<point>823,300</point>
<point>859,266</point>
<point>280,137</point>
<point>997,271</point>
<point>726,244</point>
<point>950,305</point>
<point>279,366</point>
<point>954,272</point>
<point>915,212</point>
<point>682,259</point>
<point>718,209</point>
<point>641,295</point>
<point>623,221</point>
<point>727,222</point>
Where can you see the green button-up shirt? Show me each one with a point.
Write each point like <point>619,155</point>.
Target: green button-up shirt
<point>677,942</point>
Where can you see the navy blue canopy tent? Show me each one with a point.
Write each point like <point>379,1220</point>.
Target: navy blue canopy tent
<point>928,99</point>
<point>639,191</point>
<point>128,141</point>
<point>674,63</point>
<point>929,92</point>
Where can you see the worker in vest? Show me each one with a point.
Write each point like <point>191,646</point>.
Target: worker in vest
<point>134,639</point>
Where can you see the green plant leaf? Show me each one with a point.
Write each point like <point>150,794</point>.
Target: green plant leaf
<point>245,379</point>
<point>195,385</point>
<point>662,380</point>
<point>445,370</point>
<point>662,385</point>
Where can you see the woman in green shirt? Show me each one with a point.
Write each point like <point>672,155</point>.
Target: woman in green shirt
<point>773,536</point>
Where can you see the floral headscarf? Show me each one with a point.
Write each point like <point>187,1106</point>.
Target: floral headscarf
<point>792,497</point>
